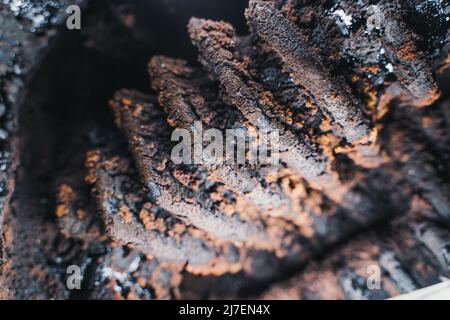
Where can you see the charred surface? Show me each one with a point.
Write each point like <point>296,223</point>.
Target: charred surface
<point>358,92</point>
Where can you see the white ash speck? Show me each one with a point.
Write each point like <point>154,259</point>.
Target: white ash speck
<point>390,67</point>
<point>345,18</point>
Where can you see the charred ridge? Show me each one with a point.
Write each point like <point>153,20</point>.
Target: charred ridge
<point>131,218</point>
<point>368,40</point>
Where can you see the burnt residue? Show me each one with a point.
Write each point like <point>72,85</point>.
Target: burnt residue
<point>431,18</point>
<point>349,84</point>
<point>21,49</point>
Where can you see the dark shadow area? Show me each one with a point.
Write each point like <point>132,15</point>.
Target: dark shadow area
<point>66,114</point>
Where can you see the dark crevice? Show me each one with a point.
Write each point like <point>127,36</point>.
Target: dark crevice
<point>66,112</point>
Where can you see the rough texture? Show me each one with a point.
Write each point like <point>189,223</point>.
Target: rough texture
<point>358,92</point>
<point>27,32</point>
<point>396,254</point>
